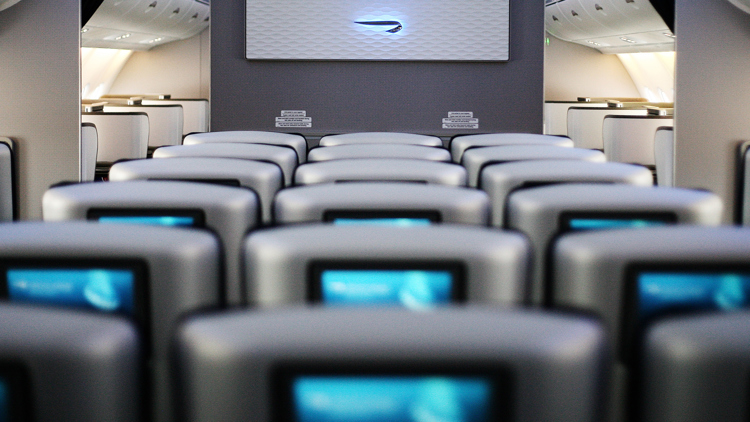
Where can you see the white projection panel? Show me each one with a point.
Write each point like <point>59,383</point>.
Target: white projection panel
<point>430,30</point>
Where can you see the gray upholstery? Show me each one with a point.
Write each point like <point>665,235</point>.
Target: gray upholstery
<point>277,262</point>
<point>381,170</point>
<point>380,138</point>
<point>311,203</point>
<point>228,364</point>
<point>79,366</point>
<point>264,179</point>
<point>297,142</point>
<point>475,160</point>
<point>460,144</point>
<point>229,212</point>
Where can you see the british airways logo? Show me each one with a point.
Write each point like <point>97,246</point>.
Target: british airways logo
<point>395,26</point>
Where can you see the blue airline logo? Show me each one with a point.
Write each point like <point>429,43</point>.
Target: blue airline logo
<point>396,25</point>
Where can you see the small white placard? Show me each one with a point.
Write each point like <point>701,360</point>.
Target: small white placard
<point>293,113</point>
<point>458,120</point>
<point>294,118</point>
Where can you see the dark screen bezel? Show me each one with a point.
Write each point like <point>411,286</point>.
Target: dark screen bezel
<point>284,374</point>
<point>141,294</point>
<point>456,269</point>
<point>631,330</point>
<point>330,215</point>
<point>230,182</point>
<point>198,216</point>
<point>563,226</point>
<point>19,387</point>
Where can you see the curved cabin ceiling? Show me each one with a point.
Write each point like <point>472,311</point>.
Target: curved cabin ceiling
<point>743,5</point>
<point>4,4</point>
<point>143,24</point>
<point>612,26</point>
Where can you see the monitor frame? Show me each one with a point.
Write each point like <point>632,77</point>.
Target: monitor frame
<point>632,330</point>
<point>18,379</point>
<point>141,291</point>
<point>198,215</point>
<point>666,217</point>
<point>316,268</point>
<point>329,216</point>
<point>283,375</point>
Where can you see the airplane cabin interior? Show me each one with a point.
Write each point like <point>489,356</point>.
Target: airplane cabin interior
<point>374,210</point>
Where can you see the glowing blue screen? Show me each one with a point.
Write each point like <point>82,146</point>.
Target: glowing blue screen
<point>167,220</point>
<point>398,222</point>
<point>412,289</point>
<point>392,399</point>
<point>692,291</point>
<point>612,223</point>
<point>4,401</point>
<point>99,289</point>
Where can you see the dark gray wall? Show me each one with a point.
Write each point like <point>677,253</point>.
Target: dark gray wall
<point>377,96</point>
<point>40,91</point>
<point>713,88</point>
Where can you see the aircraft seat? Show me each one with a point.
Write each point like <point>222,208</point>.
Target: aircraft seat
<point>89,150</point>
<point>630,139</point>
<point>165,121</point>
<point>543,213</point>
<point>460,144</point>
<point>695,369</point>
<point>154,276</point>
<point>585,124</point>
<point>500,180</point>
<point>381,365</point>
<point>381,170</point>
<point>8,182</point>
<point>282,156</point>
<point>121,136</point>
<point>228,212</point>
<point>381,203</point>
<point>63,365</point>
<point>380,138</point>
<point>664,156</point>
<point>357,151</point>
<point>195,112</point>
<point>477,159</point>
<point>631,278</point>
<point>297,142</point>
<point>264,179</point>
<point>415,267</point>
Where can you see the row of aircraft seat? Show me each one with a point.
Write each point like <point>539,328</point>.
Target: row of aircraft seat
<point>128,127</point>
<point>274,239</point>
<point>625,129</point>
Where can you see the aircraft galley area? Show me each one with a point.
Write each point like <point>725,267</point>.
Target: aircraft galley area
<point>374,210</point>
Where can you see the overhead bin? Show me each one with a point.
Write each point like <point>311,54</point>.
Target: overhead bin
<point>610,26</point>
<point>144,24</point>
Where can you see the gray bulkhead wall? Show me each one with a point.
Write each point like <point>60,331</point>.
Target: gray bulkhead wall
<point>377,96</point>
<point>40,91</point>
<point>713,93</point>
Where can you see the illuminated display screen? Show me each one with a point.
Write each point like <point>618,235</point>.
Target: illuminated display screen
<point>603,221</point>
<point>411,289</point>
<point>663,292</point>
<point>654,293</point>
<point>4,400</point>
<point>382,218</point>
<point>392,398</point>
<point>398,222</point>
<point>169,218</point>
<point>100,289</point>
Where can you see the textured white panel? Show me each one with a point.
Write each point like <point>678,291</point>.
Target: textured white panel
<point>436,30</point>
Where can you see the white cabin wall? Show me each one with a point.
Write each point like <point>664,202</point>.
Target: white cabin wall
<point>713,90</point>
<point>572,71</point>
<point>40,88</point>
<point>178,68</point>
